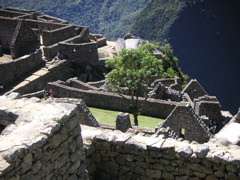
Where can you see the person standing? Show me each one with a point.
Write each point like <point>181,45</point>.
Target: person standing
<point>1,88</point>
<point>51,93</point>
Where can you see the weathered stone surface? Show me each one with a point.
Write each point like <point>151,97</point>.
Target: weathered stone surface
<point>13,95</point>
<point>199,174</point>
<point>201,151</point>
<point>153,173</point>
<point>38,147</point>
<point>211,177</point>
<point>27,162</point>
<point>219,174</point>
<point>232,176</point>
<point>123,122</point>
<point>184,151</point>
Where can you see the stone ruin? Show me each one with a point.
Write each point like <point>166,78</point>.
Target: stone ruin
<point>188,116</point>
<point>51,46</point>
<point>61,139</point>
<point>40,140</point>
<point>48,140</point>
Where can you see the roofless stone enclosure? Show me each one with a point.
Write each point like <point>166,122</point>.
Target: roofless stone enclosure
<point>35,48</point>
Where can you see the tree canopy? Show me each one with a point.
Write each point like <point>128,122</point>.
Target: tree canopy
<point>134,69</point>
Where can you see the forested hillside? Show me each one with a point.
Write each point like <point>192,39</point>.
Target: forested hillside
<point>113,18</point>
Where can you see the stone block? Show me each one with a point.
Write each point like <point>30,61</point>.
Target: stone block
<point>123,122</point>
<point>201,151</point>
<point>166,175</point>
<point>184,151</point>
<point>153,173</point>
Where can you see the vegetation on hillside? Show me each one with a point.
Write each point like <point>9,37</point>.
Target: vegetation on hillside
<point>112,18</point>
<point>156,18</point>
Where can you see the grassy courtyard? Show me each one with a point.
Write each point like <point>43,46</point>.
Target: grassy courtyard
<point>109,117</point>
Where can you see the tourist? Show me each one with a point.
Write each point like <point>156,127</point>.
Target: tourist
<point>213,128</point>
<point>1,88</point>
<point>51,93</point>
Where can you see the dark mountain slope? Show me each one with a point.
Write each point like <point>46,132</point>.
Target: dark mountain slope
<point>206,39</point>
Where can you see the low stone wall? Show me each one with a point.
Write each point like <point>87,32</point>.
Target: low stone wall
<point>54,36</point>
<point>7,29</point>
<point>79,53</point>
<point>97,84</point>
<point>80,85</point>
<point>44,143</point>
<point>101,42</point>
<point>51,51</point>
<point>59,71</point>
<point>10,71</point>
<point>111,101</point>
<point>115,155</point>
<point>7,13</point>
<point>44,25</point>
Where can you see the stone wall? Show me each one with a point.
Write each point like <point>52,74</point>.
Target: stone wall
<point>42,25</point>
<point>85,116</point>
<point>59,71</point>
<point>115,155</point>
<point>44,143</point>
<point>80,85</point>
<point>111,101</point>
<point>7,29</point>
<point>54,36</point>
<point>79,53</point>
<point>194,90</point>
<point>7,13</point>
<point>23,41</point>
<point>187,125</point>
<point>97,84</point>
<point>51,51</point>
<point>10,71</point>
<point>101,42</point>
<point>53,19</point>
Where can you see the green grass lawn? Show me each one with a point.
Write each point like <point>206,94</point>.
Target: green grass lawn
<point>109,117</point>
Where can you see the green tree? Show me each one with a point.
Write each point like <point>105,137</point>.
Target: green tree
<point>134,69</point>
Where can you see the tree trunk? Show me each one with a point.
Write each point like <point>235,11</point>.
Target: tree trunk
<point>135,115</point>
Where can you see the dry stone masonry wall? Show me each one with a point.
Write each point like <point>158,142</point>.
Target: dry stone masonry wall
<point>44,142</point>
<point>115,155</point>
<point>111,101</point>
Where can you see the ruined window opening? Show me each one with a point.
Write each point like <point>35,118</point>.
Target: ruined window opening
<point>182,133</point>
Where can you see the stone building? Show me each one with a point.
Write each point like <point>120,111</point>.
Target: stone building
<point>32,42</point>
